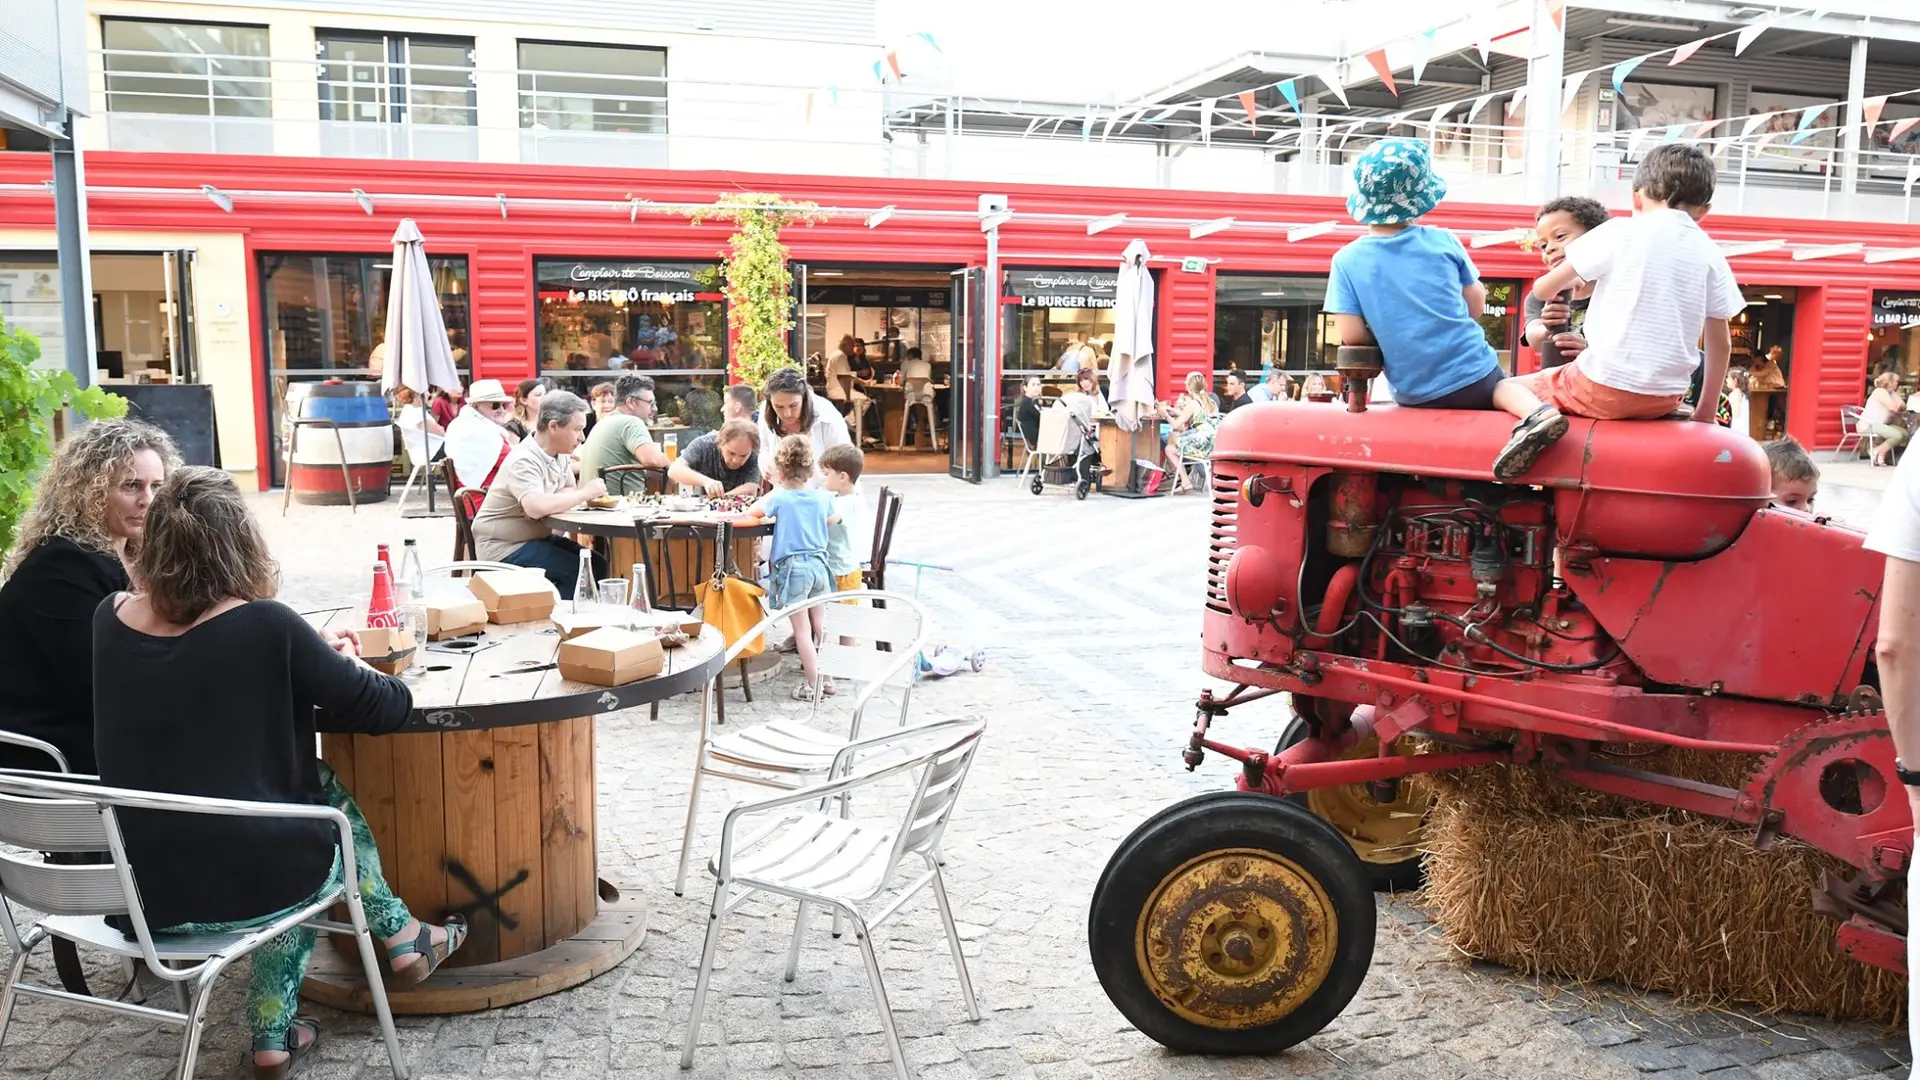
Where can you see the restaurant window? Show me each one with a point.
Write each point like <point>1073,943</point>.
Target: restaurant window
<point>1054,310</point>
<point>1271,322</point>
<point>1499,321</point>
<point>370,78</point>
<point>1894,335</point>
<point>191,69</point>
<point>607,88</point>
<point>324,315</point>
<point>30,301</point>
<point>598,319</point>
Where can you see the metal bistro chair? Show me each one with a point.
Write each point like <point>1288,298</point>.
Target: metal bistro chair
<point>419,446</point>
<point>886,516</point>
<point>346,474</point>
<point>653,479</point>
<point>51,815</point>
<point>844,863</point>
<point>1850,431</point>
<point>788,753</point>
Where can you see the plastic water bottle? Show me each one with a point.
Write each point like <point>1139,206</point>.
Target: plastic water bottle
<point>583,584</point>
<point>413,577</point>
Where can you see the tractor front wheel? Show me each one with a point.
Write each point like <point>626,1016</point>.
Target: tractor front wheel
<point>1386,835</point>
<point>1232,923</point>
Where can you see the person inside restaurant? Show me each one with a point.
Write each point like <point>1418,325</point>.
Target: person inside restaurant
<point>724,462</point>
<point>1765,373</point>
<point>1079,355</point>
<point>526,405</point>
<point>70,552</point>
<point>916,380</point>
<point>842,382</point>
<point>536,483</point>
<point>478,440</point>
<point>205,685</point>
<point>623,439</point>
<point>792,408</point>
<point>740,403</point>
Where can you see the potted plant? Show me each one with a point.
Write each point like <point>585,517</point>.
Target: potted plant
<point>30,397</point>
<point>755,279</point>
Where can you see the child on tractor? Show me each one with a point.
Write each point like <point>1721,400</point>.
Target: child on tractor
<point>1796,479</point>
<point>1660,285</point>
<point>1410,288</point>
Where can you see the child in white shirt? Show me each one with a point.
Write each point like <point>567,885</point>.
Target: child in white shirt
<point>1660,286</point>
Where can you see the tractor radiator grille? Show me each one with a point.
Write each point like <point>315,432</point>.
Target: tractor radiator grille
<point>1224,536</point>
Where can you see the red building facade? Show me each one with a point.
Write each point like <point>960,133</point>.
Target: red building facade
<point>308,206</point>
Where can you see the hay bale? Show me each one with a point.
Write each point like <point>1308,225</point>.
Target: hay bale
<point>1545,878</point>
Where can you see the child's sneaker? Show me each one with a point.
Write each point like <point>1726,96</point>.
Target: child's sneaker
<point>1541,429</point>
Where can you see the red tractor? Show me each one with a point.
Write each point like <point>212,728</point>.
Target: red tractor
<point>1421,617</point>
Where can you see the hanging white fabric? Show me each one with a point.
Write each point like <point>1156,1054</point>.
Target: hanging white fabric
<point>1130,371</point>
<point>418,354</point>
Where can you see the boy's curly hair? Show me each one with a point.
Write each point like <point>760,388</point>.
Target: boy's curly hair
<point>793,460</point>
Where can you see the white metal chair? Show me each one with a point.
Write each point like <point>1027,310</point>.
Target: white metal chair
<point>469,567</point>
<point>14,738</point>
<point>60,816</point>
<point>787,753</point>
<point>844,863</point>
<point>420,446</point>
<point>1850,431</point>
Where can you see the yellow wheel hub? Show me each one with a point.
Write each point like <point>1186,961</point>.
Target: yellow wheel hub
<point>1236,939</point>
<point>1380,832</point>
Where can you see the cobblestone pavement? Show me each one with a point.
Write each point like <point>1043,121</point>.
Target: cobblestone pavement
<point>1089,615</point>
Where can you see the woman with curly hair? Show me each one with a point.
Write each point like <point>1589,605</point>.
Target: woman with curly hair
<point>88,516</point>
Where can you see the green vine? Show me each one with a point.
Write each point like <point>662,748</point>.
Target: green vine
<point>29,399</point>
<point>755,279</point>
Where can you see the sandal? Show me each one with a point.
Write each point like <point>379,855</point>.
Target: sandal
<point>290,1042</point>
<point>805,691</point>
<point>1541,429</point>
<point>456,928</point>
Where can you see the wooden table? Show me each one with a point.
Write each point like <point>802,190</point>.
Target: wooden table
<point>485,806</point>
<point>1120,448</point>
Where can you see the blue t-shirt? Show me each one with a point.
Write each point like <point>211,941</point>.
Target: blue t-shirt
<point>1407,286</point>
<point>799,521</point>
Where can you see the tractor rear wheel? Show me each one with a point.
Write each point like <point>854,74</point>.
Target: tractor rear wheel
<point>1232,923</point>
<point>1386,836</point>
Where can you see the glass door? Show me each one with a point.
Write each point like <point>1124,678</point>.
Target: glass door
<point>182,342</point>
<point>968,430</point>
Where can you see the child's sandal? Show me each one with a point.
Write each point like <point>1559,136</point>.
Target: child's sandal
<point>435,954</point>
<point>1531,436</point>
<point>290,1042</point>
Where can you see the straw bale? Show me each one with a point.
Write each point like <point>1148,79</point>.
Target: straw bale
<point>1532,873</point>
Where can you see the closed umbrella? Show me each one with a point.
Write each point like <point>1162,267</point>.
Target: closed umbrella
<point>1130,372</point>
<point>417,352</point>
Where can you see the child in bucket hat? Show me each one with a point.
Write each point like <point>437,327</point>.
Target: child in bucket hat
<point>1411,288</point>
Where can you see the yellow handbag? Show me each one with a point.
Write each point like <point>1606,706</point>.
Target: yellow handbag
<point>731,604</point>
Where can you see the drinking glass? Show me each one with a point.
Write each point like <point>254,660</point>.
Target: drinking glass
<point>613,600</point>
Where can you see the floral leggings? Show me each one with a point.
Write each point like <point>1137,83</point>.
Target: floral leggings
<point>280,964</point>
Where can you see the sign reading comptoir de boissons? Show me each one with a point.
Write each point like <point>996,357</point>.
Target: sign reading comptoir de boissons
<point>1063,288</point>
<point>630,282</point>
<point>1896,309</point>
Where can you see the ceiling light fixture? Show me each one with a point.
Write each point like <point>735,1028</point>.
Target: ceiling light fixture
<point>1650,24</point>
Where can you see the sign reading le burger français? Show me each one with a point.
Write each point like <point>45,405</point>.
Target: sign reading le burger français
<point>1896,309</point>
<point>633,282</point>
<point>1063,288</point>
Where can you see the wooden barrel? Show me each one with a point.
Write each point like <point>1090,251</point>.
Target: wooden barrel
<point>496,824</point>
<point>366,437</point>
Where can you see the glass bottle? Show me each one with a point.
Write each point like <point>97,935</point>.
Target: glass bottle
<point>641,601</point>
<point>412,580</point>
<point>583,584</point>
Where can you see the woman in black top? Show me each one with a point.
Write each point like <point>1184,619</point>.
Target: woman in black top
<point>217,690</point>
<point>526,405</point>
<point>89,511</point>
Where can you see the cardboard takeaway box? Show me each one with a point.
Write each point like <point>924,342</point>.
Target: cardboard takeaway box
<point>386,648</point>
<point>572,624</point>
<point>611,656</point>
<point>513,596</point>
<point>453,614</point>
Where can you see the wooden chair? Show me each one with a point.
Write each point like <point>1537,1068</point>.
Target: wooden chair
<point>653,479</point>
<point>463,545</point>
<point>886,516</point>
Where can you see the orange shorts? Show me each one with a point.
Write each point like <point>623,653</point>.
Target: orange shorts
<point>1569,390</point>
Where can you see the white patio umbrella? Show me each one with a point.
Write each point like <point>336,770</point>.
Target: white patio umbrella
<point>417,352</point>
<point>1130,371</point>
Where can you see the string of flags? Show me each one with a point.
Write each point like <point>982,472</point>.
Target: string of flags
<point>886,70</point>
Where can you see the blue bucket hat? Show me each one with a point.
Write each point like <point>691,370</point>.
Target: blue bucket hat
<point>1394,183</point>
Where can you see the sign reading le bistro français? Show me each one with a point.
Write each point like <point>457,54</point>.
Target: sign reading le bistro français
<point>1896,309</point>
<point>633,282</point>
<point>1063,288</point>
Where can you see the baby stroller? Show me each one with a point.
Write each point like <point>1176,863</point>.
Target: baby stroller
<point>1069,448</point>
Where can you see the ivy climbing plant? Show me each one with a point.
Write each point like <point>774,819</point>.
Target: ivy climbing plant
<point>29,399</point>
<point>755,279</point>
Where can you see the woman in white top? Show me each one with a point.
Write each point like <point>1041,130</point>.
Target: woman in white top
<point>1876,419</point>
<point>792,408</point>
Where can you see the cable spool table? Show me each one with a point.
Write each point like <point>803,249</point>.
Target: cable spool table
<point>484,806</point>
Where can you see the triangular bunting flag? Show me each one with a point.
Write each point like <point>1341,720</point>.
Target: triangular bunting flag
<point>1478,104</point>
<point>878,75</point>
<point>1557,11</point>
<point>1331,76</point>
<point>1872,108</point>
<point>1913,173</point>
<point>1681,54</point>
<point>893,61</point>
<point>1036,122</point>
<point>1571,89</point>
<point>1519,97</point>
<point>1377,59</point>
<point>1754,123</point>
<point>1623,69</point>
<point>1438,112</point>
<point>809,108</point>
<point>1901,128</point>
<point>1287,91</point>
<point>1164,114</point>
<point>1482,37</point>
<point>1132,120</point>
<point>833,94</point>
<point>1634,138</point>
<point>1706,127</point>
<point>1747,36</point>
<point>928,38</point>
<point>1108,130</point>
<point>1805,127</point>
<point>1253,115</point>
<point>1423,52</point>
<point>1765,138</point>
<point>1206,120</point>
<point>1086,129</point>
<point>1673,133</point>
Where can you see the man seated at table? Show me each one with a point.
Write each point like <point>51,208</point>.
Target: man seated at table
<point>535,483</point>
<point>740,403</point>
<point>478,440</point>
<point>622,438</point>
<point>724,462</point>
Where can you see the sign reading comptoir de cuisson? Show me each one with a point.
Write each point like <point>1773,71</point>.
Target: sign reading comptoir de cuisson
<point>1896,309</point>
<point>1063,288</point>
<point>632,282</point>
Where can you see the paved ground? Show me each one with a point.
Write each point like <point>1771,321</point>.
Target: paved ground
<point>1089,613</point>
